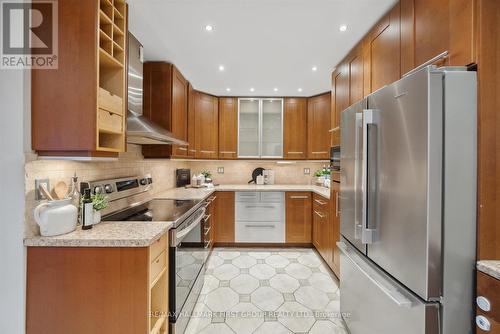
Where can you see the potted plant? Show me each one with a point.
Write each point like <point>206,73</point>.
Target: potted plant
<point>99,202</point>
<point>321,175</point>
<point>207,175</point>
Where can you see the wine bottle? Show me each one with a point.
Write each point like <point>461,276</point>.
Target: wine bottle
<point>87,211</point>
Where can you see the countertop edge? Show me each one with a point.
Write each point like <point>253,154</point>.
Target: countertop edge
<point>489,267</point>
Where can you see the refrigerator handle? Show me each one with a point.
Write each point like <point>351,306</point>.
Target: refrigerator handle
<point>358,220</point>
<point>370,232</point>
<point>384,285</point>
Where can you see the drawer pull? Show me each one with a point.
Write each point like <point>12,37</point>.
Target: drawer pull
<point>182,148</point>
<point>319,214</point>
<point>207,151</point>
<point>207,244</point>
<point>483,323</point>
<point>227,152</point>
<point>319,152</point>
<point>207,217</point>
<point>483,303</point>
<point>260,206</point>
<point>334,129</point>
<point>294,152</point>
<point>299,197</point>
<point>320,202</point>
<point>207,230</point>
<point>259,226</point>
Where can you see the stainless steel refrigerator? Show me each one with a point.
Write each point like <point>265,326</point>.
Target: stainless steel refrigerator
<point>408,201</point>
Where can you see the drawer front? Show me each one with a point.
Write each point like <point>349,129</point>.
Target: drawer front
<point>247,196</point>
<point>109,121</point>
<point>110,102</point>
<point>260,232</point>
<point>157,265</point>
<point>489,289</point>
<point>260,212</point>
<point>320,203</point>
<point>272,197</point>
<point>157,247</point>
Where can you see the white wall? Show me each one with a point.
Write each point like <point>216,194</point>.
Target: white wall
<point>14,104</point>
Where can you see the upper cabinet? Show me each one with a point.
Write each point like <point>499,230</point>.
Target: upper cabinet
<point>191,133</point>
<point>318,126</point>
<point>78,110</point>
<point>295,128</point>
<point>206,123</point>
<point>260,128</point>
<point>166,104</point>
<point>228,128</point>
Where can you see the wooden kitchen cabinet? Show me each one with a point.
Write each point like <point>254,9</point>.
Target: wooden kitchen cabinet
<point>83,290</point>
<point>318,126</point>
<point>335,227</point>
<point>166,104</point>
<point>295,128</point>
<point>322,229</point>
<point>489,288</point>
<point>228,128</point>
<point>298,223</point>
<point>209,222</point>
<point>339,100</point>
<point>206,126</point>
<point>78,109</point>
<point>225,217</point>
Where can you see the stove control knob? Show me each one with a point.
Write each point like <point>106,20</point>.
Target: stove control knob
<point>108,188</point>
<point>143,182</point>
<point>97,189</point>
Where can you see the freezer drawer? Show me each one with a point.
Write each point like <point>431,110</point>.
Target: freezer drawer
<point>272,196</point>
<point>373,303</point>
<point>260,212</point>
<point>247,196</point>
<point>259,232</point>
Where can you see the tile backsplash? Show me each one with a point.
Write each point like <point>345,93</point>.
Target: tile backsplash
<point>162,171</point>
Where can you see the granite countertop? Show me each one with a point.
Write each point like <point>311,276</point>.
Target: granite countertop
<point>106,234</point>
<point>489,267</point>
<point>202,193</point>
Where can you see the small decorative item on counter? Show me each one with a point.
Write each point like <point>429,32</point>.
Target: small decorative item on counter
<point>56,217</point>
<point>87,210</point>
<point>99,202</point>
<point>207,176</point>
<point>321,176</point>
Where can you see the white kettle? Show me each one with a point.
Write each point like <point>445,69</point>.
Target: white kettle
<point>56,217</point>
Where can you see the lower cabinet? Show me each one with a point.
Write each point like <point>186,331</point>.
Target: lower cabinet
<point>83,290</point>
<point>322,229</point>
<point>209,221</point>
<point>298,217</point>
<point>223,223</point>
<point>488,292</point>
<point>335,227</point>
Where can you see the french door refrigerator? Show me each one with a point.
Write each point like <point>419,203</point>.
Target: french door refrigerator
<point>408,199</point>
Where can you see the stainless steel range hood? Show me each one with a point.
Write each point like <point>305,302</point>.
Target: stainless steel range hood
<point>141,130</point>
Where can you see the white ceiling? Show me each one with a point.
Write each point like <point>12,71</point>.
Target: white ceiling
<point>264,44</point>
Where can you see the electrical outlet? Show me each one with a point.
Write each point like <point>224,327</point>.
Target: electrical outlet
<point>220,170</point>
<point>307,171</point>
<point>41,182</point>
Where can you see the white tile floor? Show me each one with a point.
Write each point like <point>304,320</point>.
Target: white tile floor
<point>268,291</point>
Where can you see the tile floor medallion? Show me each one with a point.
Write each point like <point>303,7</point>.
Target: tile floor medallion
<point>271,291</point>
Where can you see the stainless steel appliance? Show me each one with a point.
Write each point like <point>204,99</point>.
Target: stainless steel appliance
<point>335,158</point>
<point>408,198</point>
<point>130,199</point>
<point>141,130</point>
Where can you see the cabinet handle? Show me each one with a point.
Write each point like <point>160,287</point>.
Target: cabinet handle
<point>260,226</point>
<point>260,206</point>
<point>227,152</point>
<point>182,148</point>
<point>208,230</point>
<point>337,204</point>
<point>319,202</point>
<point>319,152</point>
<point>299,197</point>
<point>211,199</point>
<point>207,217</point>
<point>334,129</point>
<point>293,152</point>
<point>207,151</point>
<point>192,150</point>
<point>319,214</point>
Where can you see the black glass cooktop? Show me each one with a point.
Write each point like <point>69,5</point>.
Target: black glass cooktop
<point>168,210</point>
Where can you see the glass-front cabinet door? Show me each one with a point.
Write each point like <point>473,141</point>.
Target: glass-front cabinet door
<point>260,127</point>
<point>249,128</point>
<point>272,128</point>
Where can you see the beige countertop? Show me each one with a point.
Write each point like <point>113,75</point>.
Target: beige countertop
<point>106,234</point>
<point>202,193</point>
<point>489,267</point>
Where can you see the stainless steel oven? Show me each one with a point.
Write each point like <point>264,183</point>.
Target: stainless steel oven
<point>335,158</point>
<point>188,254</point>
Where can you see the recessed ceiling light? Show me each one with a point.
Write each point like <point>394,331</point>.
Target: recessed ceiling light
<point>228,89</point>
<point>275,89</point>
<point>300,89</point>
<point>252,89</point>
<point>221,68</point>
<point>343,28</point>
<point>209,27</point>
<point>315,68</point>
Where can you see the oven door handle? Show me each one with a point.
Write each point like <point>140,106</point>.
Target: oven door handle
<point>180,235</point>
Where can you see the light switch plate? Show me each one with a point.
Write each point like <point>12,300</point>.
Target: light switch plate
<point>38,182</point>
<point>307,171</point>
<point>220,170</point>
